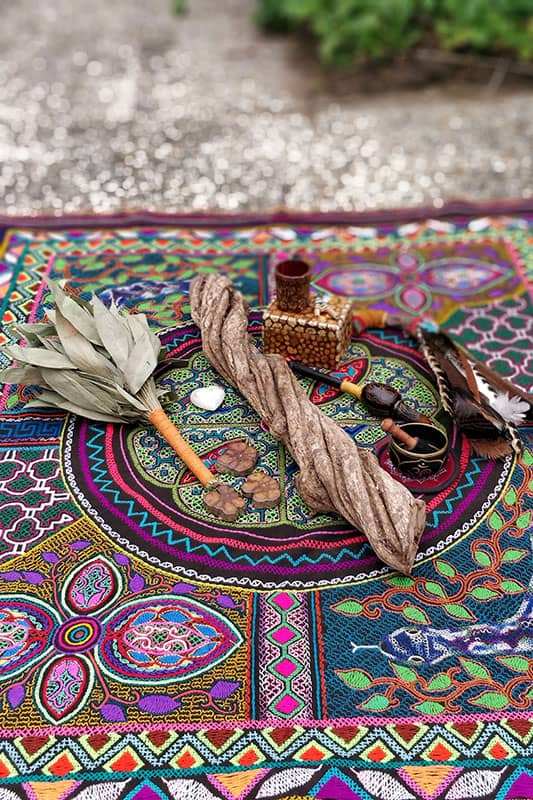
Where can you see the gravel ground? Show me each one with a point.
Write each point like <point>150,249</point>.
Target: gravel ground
<point>107,105</point>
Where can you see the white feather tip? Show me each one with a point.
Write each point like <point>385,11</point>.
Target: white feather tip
<point>512,409</point>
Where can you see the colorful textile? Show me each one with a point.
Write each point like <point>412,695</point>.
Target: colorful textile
<point>150,651</point>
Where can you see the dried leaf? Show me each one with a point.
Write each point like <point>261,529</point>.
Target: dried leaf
<point>89,372</point>
<point>79,300</point>
<point>25,375</point>
<point>115,309</point>
<point>114,333</point>
<point>138,325</point>
<point>46,400</point>
<point>124,404</point>
<point>38,357</point>
<point>76,314</point>
<point>129,398</point>
<point>69,386</point>
<point>51,399</point>
<point>31,330</point>
<point>156,345</point>
<point>102,381</point>
<point>52,343</point>
<point>141,363</point>
<point>80,351</point>
<point>154,339</point>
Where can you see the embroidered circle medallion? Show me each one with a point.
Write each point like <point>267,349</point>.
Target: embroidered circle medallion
<point>77,635</point>
<point>136,490</point>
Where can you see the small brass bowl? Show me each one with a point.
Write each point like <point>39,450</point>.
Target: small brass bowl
<point>418,464</point>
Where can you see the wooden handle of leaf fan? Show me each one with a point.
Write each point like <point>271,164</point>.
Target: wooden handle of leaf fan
<point>173,437</point>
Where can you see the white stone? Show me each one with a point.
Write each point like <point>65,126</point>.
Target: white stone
<point>208,397</point>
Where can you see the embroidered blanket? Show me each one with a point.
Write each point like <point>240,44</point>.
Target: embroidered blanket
<point>148,650</point>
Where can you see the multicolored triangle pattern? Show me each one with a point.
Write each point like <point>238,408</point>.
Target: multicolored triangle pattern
<point>114,753</point>
<point>432,782</point>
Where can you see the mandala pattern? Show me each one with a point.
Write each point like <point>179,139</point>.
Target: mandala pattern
<point>434,276</point>
<point>132,487</point>
<point>149,651</point>
<point>89,636</point>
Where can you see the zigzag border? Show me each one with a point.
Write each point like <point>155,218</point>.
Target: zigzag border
<point>361,746</point>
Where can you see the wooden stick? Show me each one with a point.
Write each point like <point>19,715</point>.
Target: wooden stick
<point>173,437</point>
<point>389,426</point>
<point>412,443</point>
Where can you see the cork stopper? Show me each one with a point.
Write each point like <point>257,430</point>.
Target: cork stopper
<point>293,279</point>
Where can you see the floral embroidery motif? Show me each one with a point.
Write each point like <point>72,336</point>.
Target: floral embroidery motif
<point>92,635</point>
<point>415,281</point>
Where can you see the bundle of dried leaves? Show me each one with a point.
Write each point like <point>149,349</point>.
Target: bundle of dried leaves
<point>96,362</point>
<point>88,359</point>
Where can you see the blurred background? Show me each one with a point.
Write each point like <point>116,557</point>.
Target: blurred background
<point>229,105</point>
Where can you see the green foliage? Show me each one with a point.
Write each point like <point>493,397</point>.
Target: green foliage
<point>439,682</point>
<point>355,678</point>
<point>492,700</point>
<point>272,16</point>
<point>375,28</point>
<point>378,29</point>
<point>434,588</point>
<point>487,26</point>
<point>475,669</point>
<point>524,519</point>
<point>430,707</point>
<point>405,673</point>
<point>483,593</point>
<point>482,558</point>
<point>349,607</point>
<point>516,663</point>
<point>377,702</point>
<point>496,521</point>
<point>446,569</point>
<point>511,554</point>
<point>458,611</point>
<point>511,587</point>
<point>414,614</point>
<point>403,581</point>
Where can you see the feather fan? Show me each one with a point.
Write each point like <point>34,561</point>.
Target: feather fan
<point>484,414</point>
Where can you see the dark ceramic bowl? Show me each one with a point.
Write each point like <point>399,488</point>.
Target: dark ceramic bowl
<point>415,463</point>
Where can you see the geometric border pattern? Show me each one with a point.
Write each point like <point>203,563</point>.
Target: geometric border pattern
<point>487,741</point>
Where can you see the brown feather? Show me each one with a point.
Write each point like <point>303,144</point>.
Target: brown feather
<point>469,375</point>
<point>488,432</point>
<point>501,383</point>
<point>491,448</point>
